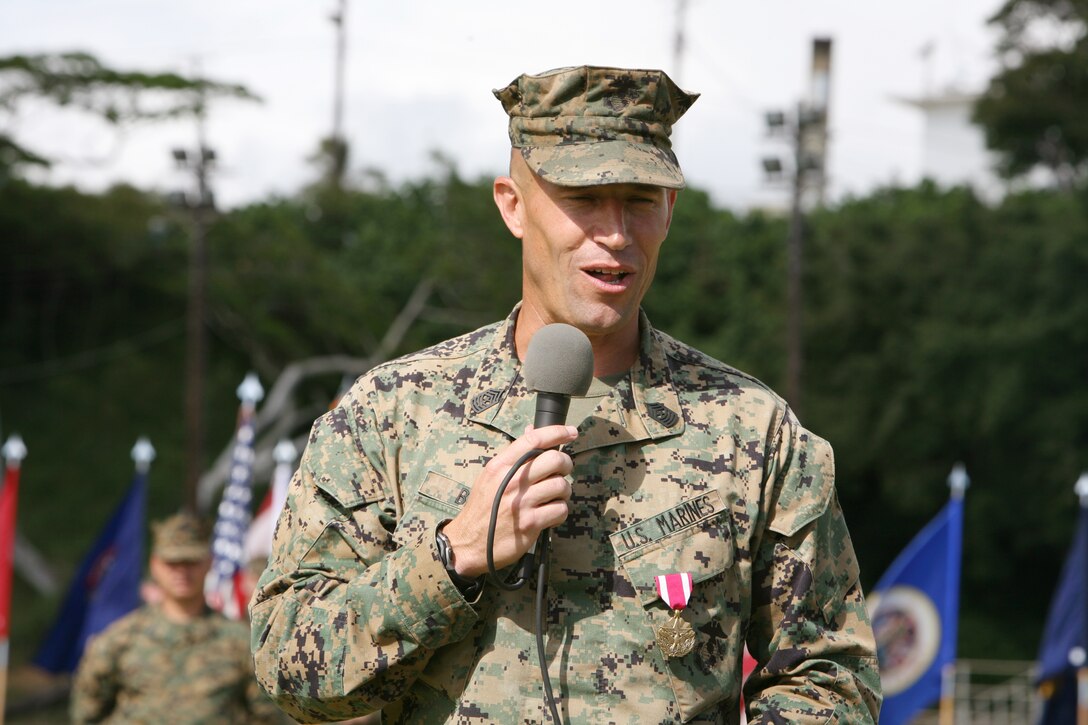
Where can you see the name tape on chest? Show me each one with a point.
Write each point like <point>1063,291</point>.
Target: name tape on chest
<point>682,516</point>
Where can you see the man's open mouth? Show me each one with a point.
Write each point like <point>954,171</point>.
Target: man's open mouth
<point>607,276</point>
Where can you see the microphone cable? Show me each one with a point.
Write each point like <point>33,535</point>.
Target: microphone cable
<point>518,578</point>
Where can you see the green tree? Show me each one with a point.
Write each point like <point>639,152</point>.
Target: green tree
<point>937,329</point>
<point>942,330</point>
<point>328,272</point>
<point>80,81</point>
<point>718,285</point>
<point>1033,110</point>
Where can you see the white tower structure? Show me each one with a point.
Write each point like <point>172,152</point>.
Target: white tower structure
<point>954,148</point>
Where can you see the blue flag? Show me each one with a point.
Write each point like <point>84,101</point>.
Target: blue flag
<point>915,611</point>
<point>106,587</point>
<point>1066,627</point>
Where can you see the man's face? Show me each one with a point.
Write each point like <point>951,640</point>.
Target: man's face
<point>588,253</point>
<point>180,581</point>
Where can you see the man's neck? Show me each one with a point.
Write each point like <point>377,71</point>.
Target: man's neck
<point>613,353</point>
<point>610,359</point>
<point>182,611</point>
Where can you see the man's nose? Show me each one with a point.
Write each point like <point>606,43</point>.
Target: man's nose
<point>610,228</point>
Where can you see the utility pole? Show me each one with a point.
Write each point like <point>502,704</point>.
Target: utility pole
<point>201,207</point>
<point>794,269</point>
<point>678,41</point>
<point>806,131</point>
<point>337,146</point>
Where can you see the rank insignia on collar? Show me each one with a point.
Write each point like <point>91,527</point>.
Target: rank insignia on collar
<point>662,415</point>
<point>487,399</point>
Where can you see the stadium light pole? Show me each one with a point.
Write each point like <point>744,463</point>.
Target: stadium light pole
<point>806,131</point>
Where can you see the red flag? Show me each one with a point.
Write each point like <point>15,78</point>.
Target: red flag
<point>748,665</point>
<point>258,542</point>
<point>9,497</point>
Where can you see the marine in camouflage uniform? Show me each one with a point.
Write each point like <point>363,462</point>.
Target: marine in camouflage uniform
<point>680,463</point>
<point>153,666</point>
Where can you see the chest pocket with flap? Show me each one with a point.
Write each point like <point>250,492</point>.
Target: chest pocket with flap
<point>703,547</point>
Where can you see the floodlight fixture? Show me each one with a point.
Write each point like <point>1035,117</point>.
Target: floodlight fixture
<point>772,168</point>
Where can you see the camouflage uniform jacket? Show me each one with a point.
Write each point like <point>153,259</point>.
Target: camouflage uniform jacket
<point>688,466</point>
<point>145,668</point>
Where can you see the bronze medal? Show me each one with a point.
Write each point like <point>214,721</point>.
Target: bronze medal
<point>675,637</point>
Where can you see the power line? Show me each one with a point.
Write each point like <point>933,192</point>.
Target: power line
<point>91,358</point>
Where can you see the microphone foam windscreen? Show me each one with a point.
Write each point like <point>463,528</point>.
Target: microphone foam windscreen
<point>559,360</point>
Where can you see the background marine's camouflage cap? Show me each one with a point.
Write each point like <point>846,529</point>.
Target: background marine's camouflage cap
<point>181,537</point>
<point>586,126</point>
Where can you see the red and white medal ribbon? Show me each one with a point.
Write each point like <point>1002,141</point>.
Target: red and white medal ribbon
<point>675,637</point>
<point>674,589</point>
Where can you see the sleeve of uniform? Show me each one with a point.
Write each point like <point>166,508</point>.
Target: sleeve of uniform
<point>94,689</point>
<point>347,615</point>
<point>259,709</point>
<point>809,630</point>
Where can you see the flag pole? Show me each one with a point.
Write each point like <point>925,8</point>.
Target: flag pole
<point>234,517</point>
<point>1077,655</point>
<point>958,481</point>
<point>947,712</point>
<point>143,453</point>
<point>14,451</point>
<point>285,454</point>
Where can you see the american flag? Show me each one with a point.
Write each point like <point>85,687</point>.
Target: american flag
<point>232,522</point>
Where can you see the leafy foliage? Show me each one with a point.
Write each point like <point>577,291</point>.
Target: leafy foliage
<point>81,81</point>
<point>1033,110</point>
<point>937,329</point>
<point>942,330</point>
<point>718,285</point>
<point>326,273</point>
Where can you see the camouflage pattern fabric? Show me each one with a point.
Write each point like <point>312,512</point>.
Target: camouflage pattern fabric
<point>689,465</point>
<point>586,126</point>
<point>181,537</point>
<point>145,668</point>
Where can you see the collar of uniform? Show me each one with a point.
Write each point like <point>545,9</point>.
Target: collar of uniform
<point>653,396</point>
<point>498,397</point>
<point>644,406</point>
<point>161,628</point>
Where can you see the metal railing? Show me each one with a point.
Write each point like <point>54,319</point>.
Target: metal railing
<point>991,692</point>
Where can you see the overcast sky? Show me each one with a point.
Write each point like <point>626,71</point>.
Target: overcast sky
<point>420,73</point>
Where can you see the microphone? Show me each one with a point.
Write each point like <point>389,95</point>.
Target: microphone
<point>558,364</point>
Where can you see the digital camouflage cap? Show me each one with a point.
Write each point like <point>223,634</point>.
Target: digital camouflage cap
<point>181,537</point>
<point>590,125</point>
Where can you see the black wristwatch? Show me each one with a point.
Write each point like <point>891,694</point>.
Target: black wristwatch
<point>469,588</point>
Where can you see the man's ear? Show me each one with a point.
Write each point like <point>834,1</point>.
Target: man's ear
<point>511,206</point>
<point>671,196</point>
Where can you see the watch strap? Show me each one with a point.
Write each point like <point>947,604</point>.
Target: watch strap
<point>469,587</point>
